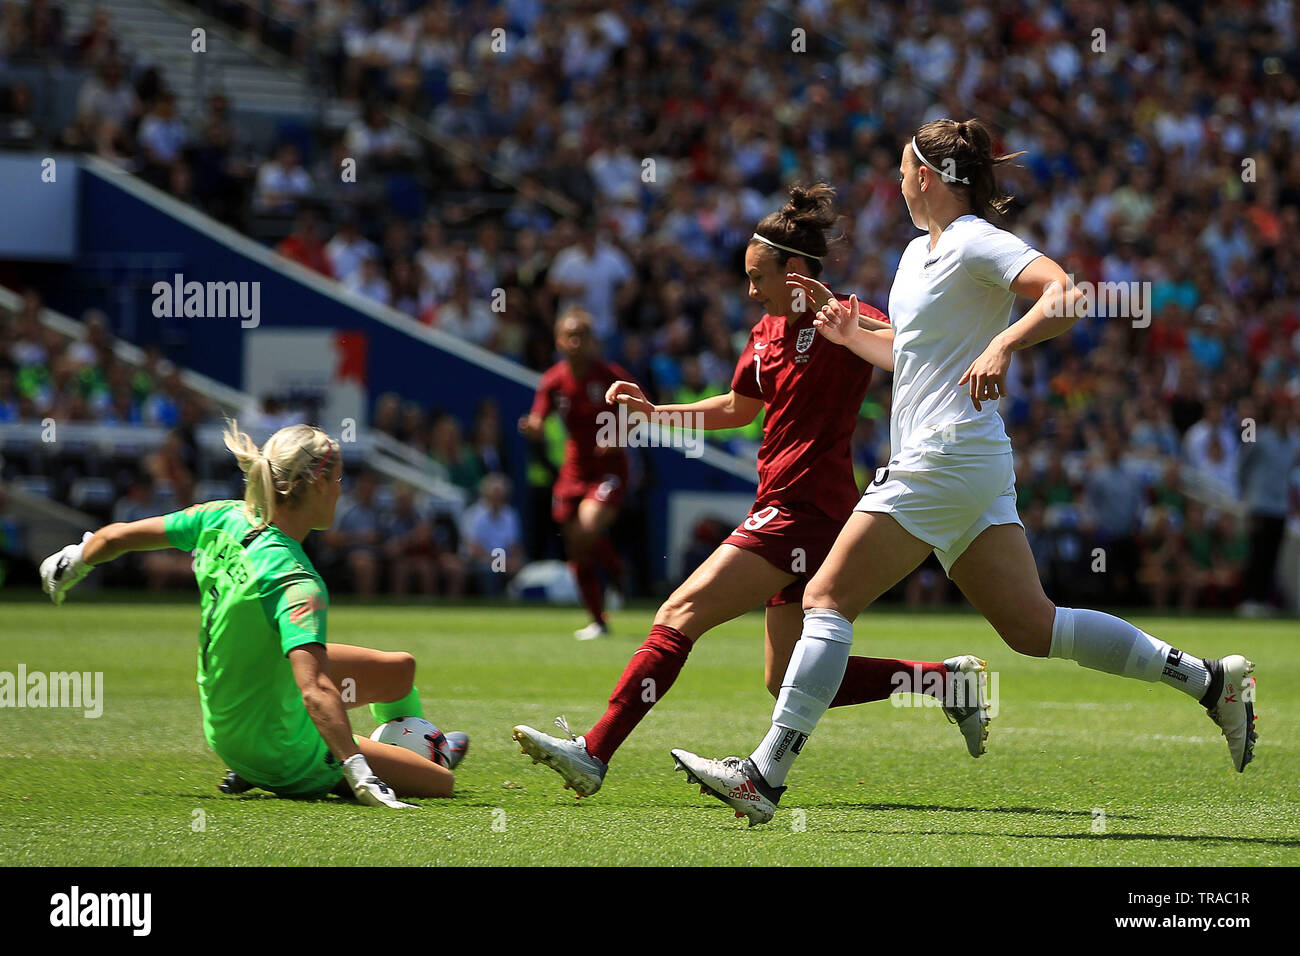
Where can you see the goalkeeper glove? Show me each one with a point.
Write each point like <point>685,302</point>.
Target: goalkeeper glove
<point>368,788</point>
<point>63,569</point>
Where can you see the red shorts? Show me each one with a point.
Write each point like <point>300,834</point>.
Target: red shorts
<point>795,538</point>
<point>570,490</point>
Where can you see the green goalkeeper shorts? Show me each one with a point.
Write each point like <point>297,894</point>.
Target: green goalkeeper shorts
<point>325,776</point>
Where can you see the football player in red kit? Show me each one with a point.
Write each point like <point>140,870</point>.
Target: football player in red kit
<point>806,492</point>
<point>593,478</point>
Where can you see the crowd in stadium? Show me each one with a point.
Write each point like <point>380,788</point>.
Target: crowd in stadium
<point>669,141</point>
<point>388,538</point>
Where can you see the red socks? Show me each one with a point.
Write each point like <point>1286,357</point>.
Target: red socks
<point>875,678</point>
<point>646,679</point>
<point>589,589</point>
<point>603,555</point>
<point>655,666</point>
<point>607,556</point>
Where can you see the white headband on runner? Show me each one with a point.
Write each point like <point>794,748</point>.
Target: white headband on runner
<point>947,177</point>
<point>777,245</point>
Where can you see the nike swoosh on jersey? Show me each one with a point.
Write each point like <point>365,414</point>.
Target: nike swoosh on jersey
<point>759,345</point>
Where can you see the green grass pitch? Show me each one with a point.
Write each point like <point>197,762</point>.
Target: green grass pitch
<point>877,784</point>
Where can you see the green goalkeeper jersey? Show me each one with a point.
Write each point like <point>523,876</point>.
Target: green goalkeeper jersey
<point>261,599</point>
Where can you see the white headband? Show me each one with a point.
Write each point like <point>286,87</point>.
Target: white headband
<point>777,245</point>
<point>947,177</point>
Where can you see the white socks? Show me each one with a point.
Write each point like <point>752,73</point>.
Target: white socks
<point>811,681</point>
<point>1104,642</point>
<point>1095,640</point>
<point>1187,672</point>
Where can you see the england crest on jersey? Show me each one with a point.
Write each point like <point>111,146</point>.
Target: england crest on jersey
<point>805,340</point>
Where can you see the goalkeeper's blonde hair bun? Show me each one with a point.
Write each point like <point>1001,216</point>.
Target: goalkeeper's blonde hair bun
<point>278,474</point>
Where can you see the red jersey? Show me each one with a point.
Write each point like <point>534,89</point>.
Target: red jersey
<point>812,390</point>
<point>578,401</point>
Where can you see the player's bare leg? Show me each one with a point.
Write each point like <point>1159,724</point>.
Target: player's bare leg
<point>383,679</point>
<point>872,553</point>
<point>409,774</point>
<point>727,584</point>
<point>582,534</point>
<point>998,575</point>
<point>782,626</point>
<point>376,676</point>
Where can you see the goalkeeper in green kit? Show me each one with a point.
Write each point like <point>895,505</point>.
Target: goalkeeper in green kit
<point>268,681</point>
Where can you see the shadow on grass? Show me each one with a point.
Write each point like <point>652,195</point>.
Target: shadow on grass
<point>1160,837</point>
<point>461,799</point>
<point>1041,811</point>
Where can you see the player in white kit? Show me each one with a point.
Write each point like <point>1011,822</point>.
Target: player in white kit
<point>949,486</point>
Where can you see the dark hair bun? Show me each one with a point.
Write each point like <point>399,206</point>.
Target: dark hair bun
<point>811,206</point>
<point>802,223</point>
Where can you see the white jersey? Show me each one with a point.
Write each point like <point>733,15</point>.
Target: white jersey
<point>946,306</point>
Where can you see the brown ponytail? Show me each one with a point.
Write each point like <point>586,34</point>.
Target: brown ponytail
<point>964,151</point>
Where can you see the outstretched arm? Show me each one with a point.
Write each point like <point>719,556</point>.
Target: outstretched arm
<point>530,425</point>
<point>874,325</point>
<point>61,571</point>
<point>871,340</point>
<point>122,537</point>
<point>729,410</point>
<point>835,321</point>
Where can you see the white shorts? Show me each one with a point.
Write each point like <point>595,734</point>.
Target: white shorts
<point>946,500</point>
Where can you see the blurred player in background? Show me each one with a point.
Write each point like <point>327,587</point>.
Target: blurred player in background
<point>268,681</point>
<point>593,478</point>
<point>949,487</point>
<point>811,391</point>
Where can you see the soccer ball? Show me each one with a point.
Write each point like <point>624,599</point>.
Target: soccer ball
<point>416,735</point>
